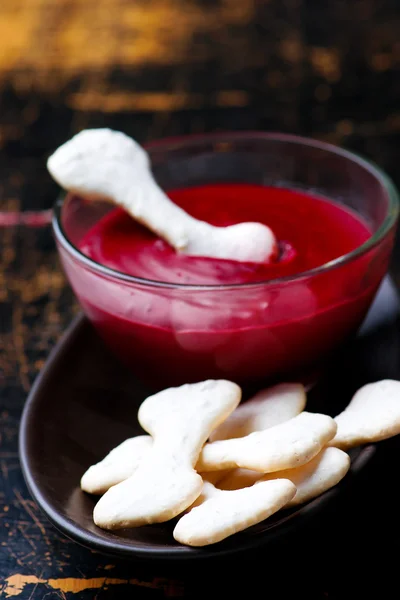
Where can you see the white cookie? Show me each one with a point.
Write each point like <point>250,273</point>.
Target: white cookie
<point>372,415</point>
<point>180,420</point>
<point>269,407</point>
<point>283,446</point>
<point>219,514</point>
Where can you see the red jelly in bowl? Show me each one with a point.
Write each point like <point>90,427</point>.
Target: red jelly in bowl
<point>175,319</point>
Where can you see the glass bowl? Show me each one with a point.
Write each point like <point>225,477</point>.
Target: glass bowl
<point>254,333</point>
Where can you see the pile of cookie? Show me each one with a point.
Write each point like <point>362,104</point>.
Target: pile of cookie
<point>218,465</point>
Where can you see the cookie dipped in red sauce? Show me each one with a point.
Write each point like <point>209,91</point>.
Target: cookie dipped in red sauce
<point>193,318</point>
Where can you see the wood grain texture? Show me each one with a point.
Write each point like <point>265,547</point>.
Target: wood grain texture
<point>155,68</point>
<point>168,67</point>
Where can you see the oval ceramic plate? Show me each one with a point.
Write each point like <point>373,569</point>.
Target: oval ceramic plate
<point>84,403</point>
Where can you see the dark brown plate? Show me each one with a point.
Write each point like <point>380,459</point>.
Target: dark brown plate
<point>84,403</point>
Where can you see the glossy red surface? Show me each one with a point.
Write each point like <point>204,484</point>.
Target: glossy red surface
<point>171,335</point>
<point>310,230</point>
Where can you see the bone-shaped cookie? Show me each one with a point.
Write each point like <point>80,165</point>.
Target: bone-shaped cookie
<point>119,464</point>
<point>165,483</point>
<point>311,479</point>
<point>284,446</point>
<point>269,407</point>
<point>107,164</point>
<point>372,415</point>
<point>218,514</point>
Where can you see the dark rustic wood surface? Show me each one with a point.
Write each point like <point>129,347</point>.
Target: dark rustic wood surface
<point>155,68</point>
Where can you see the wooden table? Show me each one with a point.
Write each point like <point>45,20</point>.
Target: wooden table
<point>155,69</point>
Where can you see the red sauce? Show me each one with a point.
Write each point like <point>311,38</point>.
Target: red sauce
<point>248,334</point>
<point>311,231</point>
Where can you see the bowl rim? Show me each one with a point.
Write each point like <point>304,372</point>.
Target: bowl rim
<point>173,143</point>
